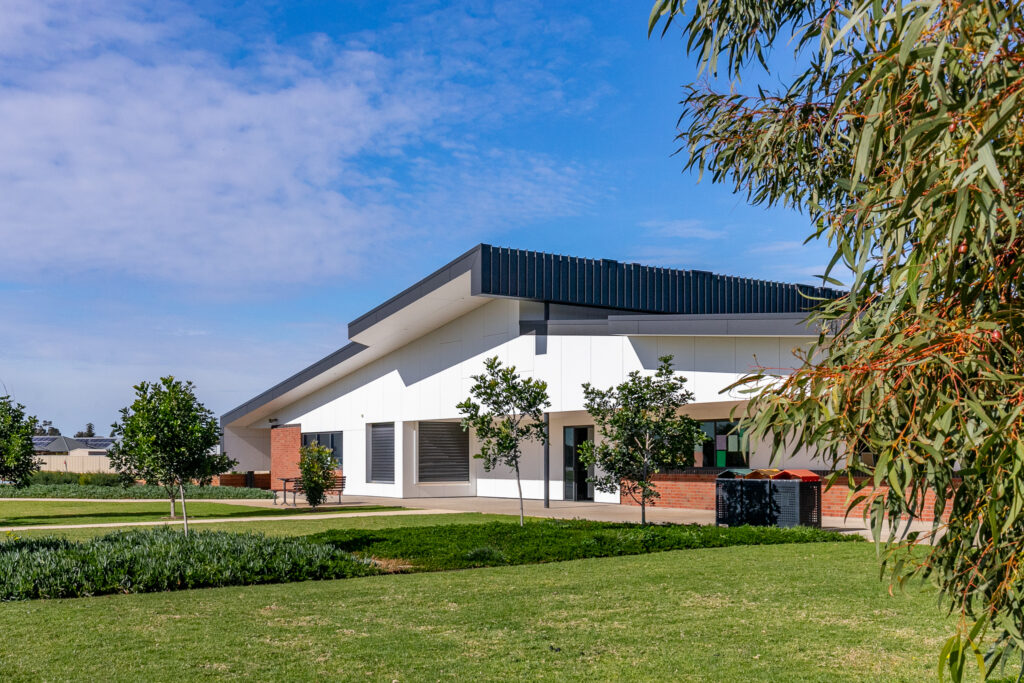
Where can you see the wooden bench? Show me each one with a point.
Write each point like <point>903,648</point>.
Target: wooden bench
<point>337,487</point>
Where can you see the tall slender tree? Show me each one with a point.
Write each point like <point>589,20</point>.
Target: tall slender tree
<point>505,411</point>
<point>901,137</point>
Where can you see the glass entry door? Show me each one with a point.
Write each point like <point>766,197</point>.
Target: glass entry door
<point>575,474</point>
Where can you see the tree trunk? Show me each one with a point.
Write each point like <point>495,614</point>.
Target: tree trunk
<point>172,504</point>
<point>184,513</point>
<point>643,497</point>
<point>519,485</point>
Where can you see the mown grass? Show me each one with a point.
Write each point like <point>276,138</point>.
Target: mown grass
<point>459,546</point>
<point>277,526</point>
<point>17,513</point>
<point>809,612</point>
<point>162,559</point>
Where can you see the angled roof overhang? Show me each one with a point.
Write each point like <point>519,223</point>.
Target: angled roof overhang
<point>651,300</point>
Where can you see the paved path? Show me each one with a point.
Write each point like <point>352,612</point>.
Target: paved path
<point>225,520</point>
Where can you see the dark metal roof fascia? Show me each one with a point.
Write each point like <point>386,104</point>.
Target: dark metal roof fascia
<point>537,276</point>
<point>301,377</point>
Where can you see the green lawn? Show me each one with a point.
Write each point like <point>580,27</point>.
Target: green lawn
<point>280,527</point>
<point>812,612</point>
<point>14,513</point>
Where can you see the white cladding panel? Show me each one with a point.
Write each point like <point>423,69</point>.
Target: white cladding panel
<point>427,378</point>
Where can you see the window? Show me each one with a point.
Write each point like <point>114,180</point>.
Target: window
<point>443,452</point>
<point>382,453</point>
<point>332,440</point>
<point>725,446</point>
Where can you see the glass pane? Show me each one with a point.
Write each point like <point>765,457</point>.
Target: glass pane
<point>708,447</point>
<point>568,463</point>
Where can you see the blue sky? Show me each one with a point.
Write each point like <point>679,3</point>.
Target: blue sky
<point>212,190</point>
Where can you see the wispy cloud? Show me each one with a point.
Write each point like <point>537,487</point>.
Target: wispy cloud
<point>150,151</point>
<point>123,151</point>
<point>682,229</point>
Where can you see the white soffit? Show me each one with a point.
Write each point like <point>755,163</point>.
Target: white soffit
<point>425,314</point>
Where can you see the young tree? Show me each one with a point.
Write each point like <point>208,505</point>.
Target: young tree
<point>641,431</point>
<point>900,136</point>
<point>505,410</point>
<point>90,430</point>
<point>167,437</point>
<point>17,455</point>
<point>317,472</point>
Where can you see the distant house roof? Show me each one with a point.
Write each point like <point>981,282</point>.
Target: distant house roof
<point>97,442</point>
<point>57,444</point>
<point>40,443</point>
<point>65,444</point>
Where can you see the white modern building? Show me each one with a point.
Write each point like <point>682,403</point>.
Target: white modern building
<point>386,402</point>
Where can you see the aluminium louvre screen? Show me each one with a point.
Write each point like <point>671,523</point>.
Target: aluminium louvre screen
<point>443,452</point>
<point>382,453</point>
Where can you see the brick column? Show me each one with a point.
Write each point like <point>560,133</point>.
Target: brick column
<point>285,442</point>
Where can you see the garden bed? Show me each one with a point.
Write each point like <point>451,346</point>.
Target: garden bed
<point>164,560</point>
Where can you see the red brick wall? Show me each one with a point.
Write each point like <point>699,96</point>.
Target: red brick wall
<point>285,442</point>
<point>697,492</point>
<point>688,491</point>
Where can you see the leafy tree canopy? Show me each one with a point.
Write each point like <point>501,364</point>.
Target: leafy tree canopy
<point>90,430</point>
<point>17,455</point>
<point>167,437</point>
<point>316,471</point>
<point>642,432</point>
<point>45,428</point>
<point>901,136</point>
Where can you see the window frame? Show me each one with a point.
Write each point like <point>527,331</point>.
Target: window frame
<point>336,443</point>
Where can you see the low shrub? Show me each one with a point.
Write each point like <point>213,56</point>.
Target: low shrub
<point>132,492</point>
<point>461,546</point>
<point>164,560</point>
<point>76,479</point>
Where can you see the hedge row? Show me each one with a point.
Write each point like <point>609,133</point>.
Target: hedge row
<point>462,546</point>
<point>147,561</point>
<point>133,492</point>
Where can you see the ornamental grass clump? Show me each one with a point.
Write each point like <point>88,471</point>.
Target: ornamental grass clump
<point>164,560</point>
